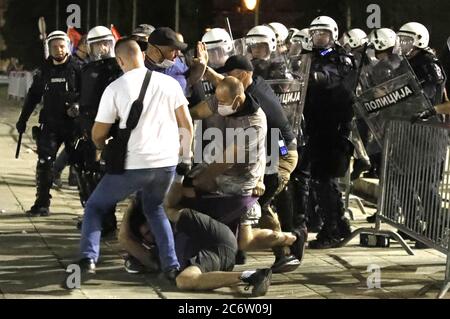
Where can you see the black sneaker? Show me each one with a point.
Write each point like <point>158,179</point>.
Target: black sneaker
<point>133,266</point>
<point>298,247</point>
<point>324,243</point>
<point>38,211</point>
<point>285,264</point>
<point>260,281</point>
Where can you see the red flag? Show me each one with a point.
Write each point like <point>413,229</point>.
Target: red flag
<point>74,36</point>
<point>115,33</point>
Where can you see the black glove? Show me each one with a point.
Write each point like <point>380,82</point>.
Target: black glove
<point>183,168</point>
<point>318,77</point>
<point>73,110</point>
<point>21,126</point>
<point>422,116</point>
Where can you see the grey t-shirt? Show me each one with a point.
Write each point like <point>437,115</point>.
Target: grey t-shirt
<point>248,132</point>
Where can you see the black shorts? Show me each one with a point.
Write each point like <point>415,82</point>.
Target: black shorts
<point>214,244</point>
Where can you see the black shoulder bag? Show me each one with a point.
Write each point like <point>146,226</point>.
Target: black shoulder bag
<point>115,151</point>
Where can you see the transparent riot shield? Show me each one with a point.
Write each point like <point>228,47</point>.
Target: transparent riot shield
<point>290,87</point>
<point>291,94</point>
<point>239,47</point>
<point>388,90</point>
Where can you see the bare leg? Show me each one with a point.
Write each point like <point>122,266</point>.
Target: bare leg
<point>257,239</point>
<point>193,279</point>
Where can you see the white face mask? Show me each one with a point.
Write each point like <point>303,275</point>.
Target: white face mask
<point>166,64</point>
<point>226,109</point>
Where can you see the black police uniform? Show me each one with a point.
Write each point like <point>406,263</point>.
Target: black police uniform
<point>328,114</point>
<point>431,75</point>
<point>59,86</point>
<point>95,77</point>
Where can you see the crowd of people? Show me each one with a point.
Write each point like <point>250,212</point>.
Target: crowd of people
<point>232,146</point>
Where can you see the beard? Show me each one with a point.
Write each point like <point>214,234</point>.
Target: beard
<point>61,58</point>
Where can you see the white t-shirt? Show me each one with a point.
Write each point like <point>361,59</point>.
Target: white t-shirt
<point>155,140</point>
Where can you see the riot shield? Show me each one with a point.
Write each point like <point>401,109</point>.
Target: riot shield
<point>239,47</point>
<point>291,94</point>
<point>388,90</point>
<point>290,87</point>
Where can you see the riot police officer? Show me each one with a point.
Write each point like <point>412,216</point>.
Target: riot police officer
<point>414,43</point>
<point>328,114</point>
<point>95,77</point>
<point>414,39</point>
<point>354,41</point>
<point>57,82</point>
<point>261,42</point>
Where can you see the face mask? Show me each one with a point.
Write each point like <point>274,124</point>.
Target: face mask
<point>165,64</point>
<point>226,109</point>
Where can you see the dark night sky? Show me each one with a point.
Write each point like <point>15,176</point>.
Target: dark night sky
<point>21,32</point>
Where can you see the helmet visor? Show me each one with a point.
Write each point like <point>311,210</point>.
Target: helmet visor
<point>406,44</point>
<point>321,38</point>
<point>258,49</point>
<point>217,57</point>
<point>295,48</point>
<point>100,50</point>
<point>58,49</point>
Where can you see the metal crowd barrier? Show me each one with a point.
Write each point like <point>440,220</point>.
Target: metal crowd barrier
<point>19,83</point>
<point>415,188</point>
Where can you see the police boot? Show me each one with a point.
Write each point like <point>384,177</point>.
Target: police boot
<point>343,223</point>
<point>345,230</point>
<point>73,179</point>
<point>44,176</point>
<point>328,237</point>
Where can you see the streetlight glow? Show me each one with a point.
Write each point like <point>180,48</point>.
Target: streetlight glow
<point>250,4</point>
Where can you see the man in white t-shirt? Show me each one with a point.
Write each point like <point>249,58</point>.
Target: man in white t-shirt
<point>152,153</point>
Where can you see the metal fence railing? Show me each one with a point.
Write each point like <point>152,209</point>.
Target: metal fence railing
<point>415,187</point>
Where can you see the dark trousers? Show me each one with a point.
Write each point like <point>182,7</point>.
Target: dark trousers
<point>48,143</point>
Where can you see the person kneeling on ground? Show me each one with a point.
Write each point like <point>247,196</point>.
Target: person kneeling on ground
<point>206,250</point>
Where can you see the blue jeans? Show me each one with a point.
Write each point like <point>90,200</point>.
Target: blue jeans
<point>154,184</point>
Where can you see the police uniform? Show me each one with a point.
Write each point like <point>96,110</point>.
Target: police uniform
<point>58,86</point>
<point>95,77</point>
<point>328,114</point>
<point>430,74</point>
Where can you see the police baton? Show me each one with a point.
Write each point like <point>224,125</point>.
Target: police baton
<point>19,142</point>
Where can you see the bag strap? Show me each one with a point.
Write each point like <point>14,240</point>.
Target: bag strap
<point>136,108</point>
<point>144,87</point>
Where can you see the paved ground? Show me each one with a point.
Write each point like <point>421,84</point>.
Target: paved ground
<point>35,251</point>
